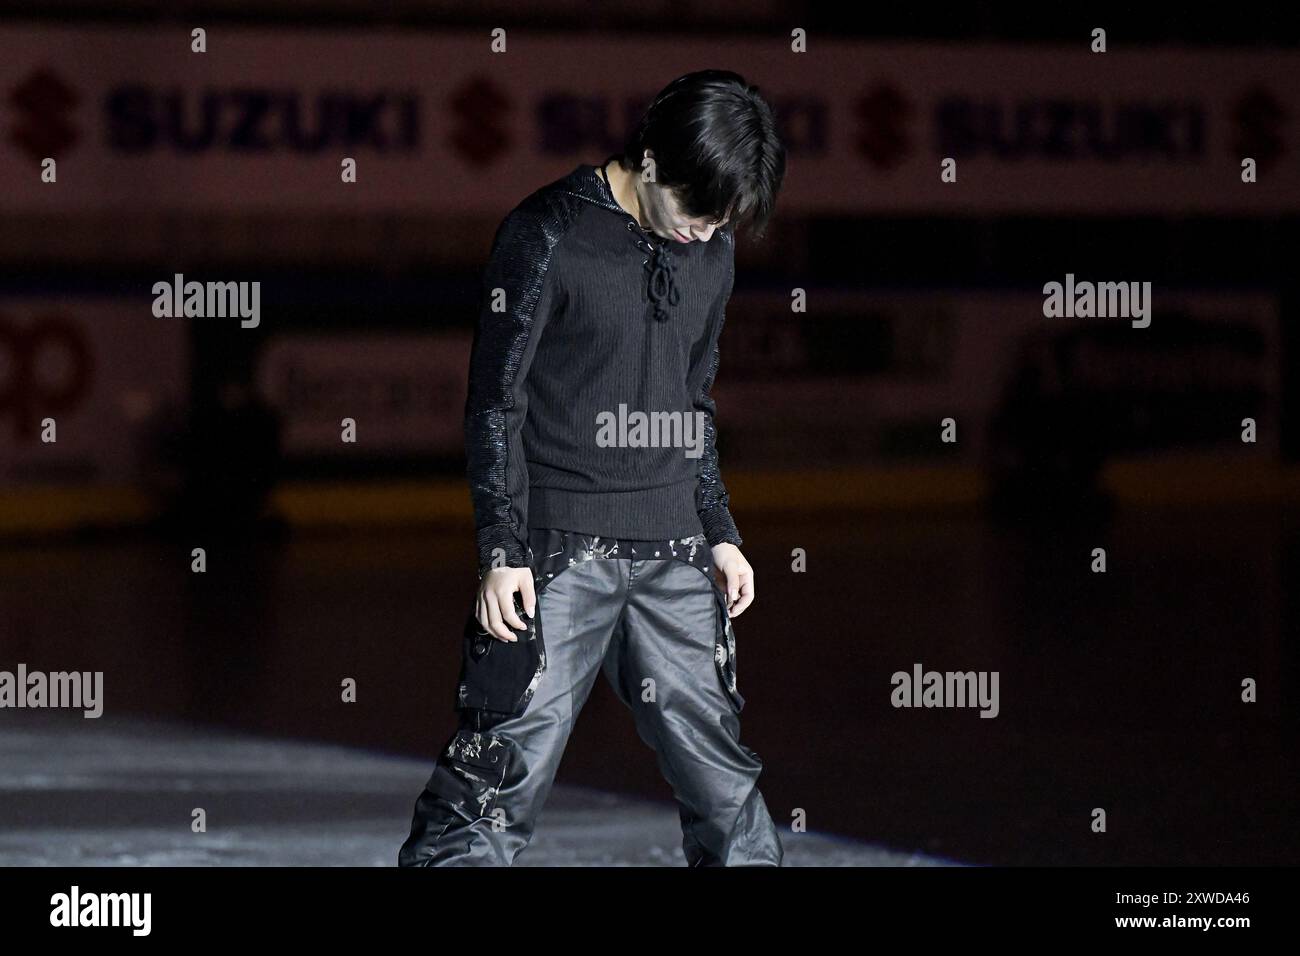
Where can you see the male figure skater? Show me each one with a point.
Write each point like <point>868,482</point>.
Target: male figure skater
<point>601,516</point>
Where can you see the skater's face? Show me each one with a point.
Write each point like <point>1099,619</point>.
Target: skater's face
<point>662,210</point>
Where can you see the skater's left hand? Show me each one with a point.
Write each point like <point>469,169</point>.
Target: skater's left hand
<point>740,577</point>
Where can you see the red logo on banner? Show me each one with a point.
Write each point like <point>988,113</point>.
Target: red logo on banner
<point>45,369</point>
<point>883,114</point>
<point>480,108</point>
<point>1259,117</point>
<point>43,127</point>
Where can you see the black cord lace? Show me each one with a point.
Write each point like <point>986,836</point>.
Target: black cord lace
<point>661,286</point>
<point>661,282</point>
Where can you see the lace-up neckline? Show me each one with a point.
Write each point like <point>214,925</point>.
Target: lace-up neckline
<point>661,283</point>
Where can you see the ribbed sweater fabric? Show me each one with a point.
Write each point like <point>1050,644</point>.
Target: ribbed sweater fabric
<point>585,319</point>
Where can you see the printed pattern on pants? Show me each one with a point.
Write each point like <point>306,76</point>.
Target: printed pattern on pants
<point>644,621</point>
<point>553,550</point>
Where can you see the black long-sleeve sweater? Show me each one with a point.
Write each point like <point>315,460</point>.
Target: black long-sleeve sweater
<point>582,312</point>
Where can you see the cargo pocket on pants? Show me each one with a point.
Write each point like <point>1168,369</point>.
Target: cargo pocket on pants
<point>724,642</point>
<point>469,772</point>
<point>724,654</point>
<point>499,677</point>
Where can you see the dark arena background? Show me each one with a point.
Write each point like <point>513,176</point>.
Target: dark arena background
<point>933,469</point>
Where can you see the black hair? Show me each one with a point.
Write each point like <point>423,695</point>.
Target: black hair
<point>715,145</point>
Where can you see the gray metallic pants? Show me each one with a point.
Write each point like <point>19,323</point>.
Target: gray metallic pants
<point>651,616</point>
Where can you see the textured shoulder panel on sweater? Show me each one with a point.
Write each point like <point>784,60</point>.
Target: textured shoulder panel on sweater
<point>712,499</point>
<point>521,258</point>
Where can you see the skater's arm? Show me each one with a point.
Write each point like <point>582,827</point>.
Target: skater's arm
<point>519,293</point>
<point>711,499</point>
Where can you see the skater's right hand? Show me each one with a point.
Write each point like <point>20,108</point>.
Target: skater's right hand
<point>496,601</point>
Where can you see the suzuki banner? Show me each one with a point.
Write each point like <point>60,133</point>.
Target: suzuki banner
<point>460,122</point>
